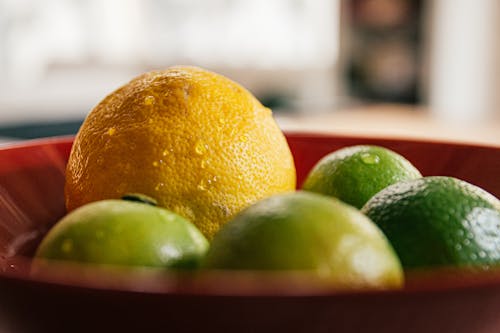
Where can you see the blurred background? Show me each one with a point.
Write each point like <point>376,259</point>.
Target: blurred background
<point>413,68</point>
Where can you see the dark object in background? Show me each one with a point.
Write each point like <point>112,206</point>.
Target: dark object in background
<point>384,49</point>
<point>40,130</point>
<point>276,101</point>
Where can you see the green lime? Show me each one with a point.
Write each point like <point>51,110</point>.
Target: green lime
<point>439,221</point>
<point>120,232</point>
<point>354,174</point>
<point>307,232</point>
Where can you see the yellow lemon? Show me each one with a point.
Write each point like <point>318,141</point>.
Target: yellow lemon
<point>197,142</point>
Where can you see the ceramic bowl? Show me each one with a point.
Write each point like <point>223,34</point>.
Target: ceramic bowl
<point>74,298</point>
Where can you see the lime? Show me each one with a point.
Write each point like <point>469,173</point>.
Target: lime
<point>439,221</point>
<point>120,232</point>
<point>354,174</point>
<point>310,232</point>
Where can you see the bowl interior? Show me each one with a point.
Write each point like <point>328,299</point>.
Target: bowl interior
<point>32,184</point>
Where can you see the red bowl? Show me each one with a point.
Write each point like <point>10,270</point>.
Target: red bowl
<point>73,298</point>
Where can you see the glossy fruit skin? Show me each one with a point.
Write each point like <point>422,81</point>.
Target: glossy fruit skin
<point>197,142</point>
<point>439,221</point>
<point>354,174</point>
<point>118,232</point>
<point>307,232</point>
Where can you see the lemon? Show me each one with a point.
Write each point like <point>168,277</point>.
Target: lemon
<point>305,231</point>
<point>197,142</point>
<point>354,174</point>
<point>439,221</point>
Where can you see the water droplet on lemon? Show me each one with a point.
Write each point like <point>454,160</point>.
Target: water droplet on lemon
<point>149,100</point>
<point>202,186</point>
<point>200,148</point>
<point>205,184</point>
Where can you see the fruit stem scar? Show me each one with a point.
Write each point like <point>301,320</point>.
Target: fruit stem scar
<point>138,197</point>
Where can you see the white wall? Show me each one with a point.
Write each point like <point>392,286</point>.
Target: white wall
<point>464,84</point>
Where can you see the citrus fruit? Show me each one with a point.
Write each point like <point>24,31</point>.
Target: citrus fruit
<point>439,221</point>
<point>311,232</point>
<point>200,144</point>
<point>354,174</point>
<point>120,232</point>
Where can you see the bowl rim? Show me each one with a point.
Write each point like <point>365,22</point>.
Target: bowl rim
<point>244,284</point>
<point>293,134</point>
